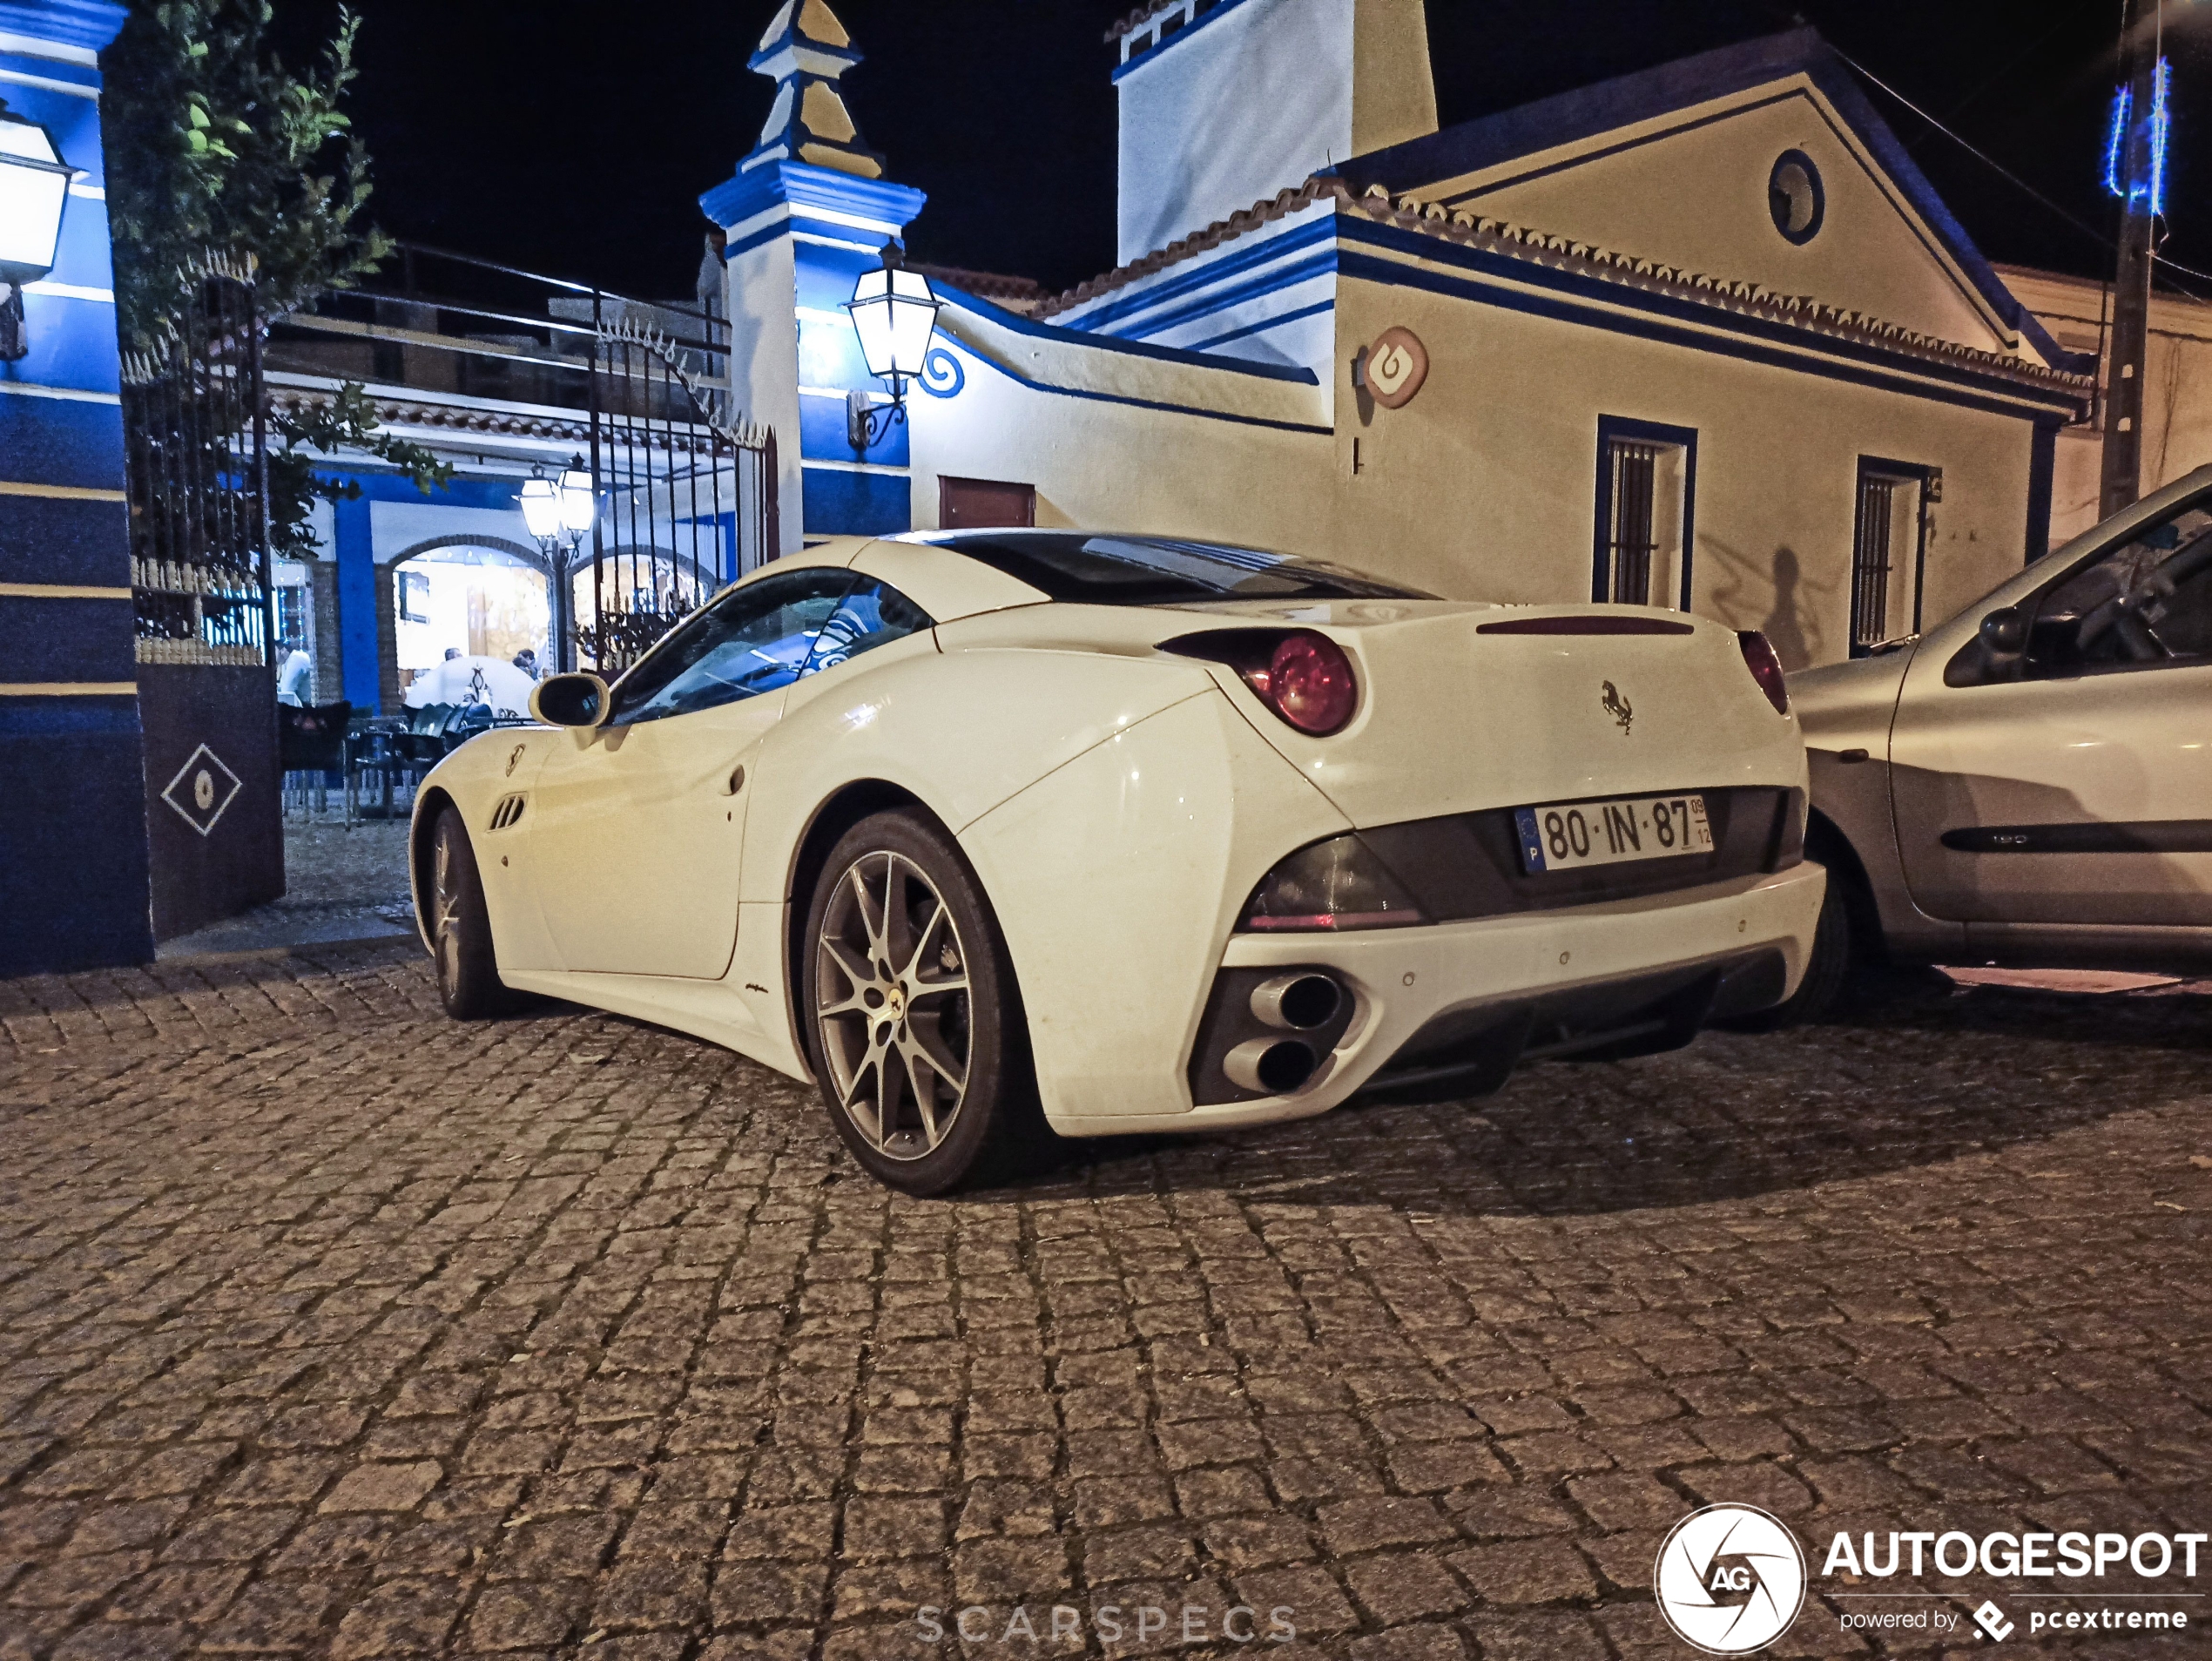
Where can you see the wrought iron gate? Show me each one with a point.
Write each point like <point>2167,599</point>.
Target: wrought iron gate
<point>687,491</point>
<point>685,486</point>
<point>197,479</point>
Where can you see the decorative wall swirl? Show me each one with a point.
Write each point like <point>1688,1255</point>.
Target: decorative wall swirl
<point>941,375</point>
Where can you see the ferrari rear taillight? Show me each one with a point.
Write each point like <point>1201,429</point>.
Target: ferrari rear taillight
<point>1765,667</point>
<point>1308,681</point>
<point>1303,677</point>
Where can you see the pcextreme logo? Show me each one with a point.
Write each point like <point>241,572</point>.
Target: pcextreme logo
<point>1730,1579</point>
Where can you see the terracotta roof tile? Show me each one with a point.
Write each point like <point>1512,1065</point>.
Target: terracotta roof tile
<point>1539,247</point>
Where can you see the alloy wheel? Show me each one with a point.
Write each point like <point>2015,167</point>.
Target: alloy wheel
<point>446,901</point>
<point>891,999</point>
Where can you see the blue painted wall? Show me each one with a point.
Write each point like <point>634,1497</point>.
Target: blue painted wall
<point>361,622</point>
<point>73,870</point>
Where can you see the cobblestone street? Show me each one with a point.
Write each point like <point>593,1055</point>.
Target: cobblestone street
<point>329,1326</point>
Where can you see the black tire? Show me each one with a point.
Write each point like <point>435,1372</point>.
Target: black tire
<point>461,944</point>
<point>896,999</point>
<point>1835,951</point>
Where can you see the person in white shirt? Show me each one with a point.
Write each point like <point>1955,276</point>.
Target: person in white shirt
<point>295,680</point>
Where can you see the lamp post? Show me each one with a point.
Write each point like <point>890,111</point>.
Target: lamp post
<point>2136,172</point>
<point>34,187</point>
<point>559,513</point>
<point>895,315</point>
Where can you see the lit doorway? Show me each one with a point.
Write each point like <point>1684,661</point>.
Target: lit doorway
<point>470,602</point>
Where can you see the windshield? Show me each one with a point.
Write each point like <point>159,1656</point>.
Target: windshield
<point>1159,570</point>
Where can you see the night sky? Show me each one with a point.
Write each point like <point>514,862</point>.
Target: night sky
<point>575,138</point>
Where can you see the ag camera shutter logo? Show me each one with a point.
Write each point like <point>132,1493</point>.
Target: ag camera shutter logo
<point>1730,1579</point>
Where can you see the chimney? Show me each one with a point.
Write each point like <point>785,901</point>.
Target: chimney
<point>1227,102</point>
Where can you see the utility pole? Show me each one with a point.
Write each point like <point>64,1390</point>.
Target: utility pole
<point>2132,171</point>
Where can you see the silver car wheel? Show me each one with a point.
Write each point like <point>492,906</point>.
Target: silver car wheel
<point>891,999</point>
<point>445,917</point>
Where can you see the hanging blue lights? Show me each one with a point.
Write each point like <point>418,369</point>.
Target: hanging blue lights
<point>2159,119</point>
<point>2154,190</point>
<point>2116,139</point>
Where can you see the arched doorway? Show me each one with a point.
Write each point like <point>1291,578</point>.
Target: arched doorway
<point>475,596</point>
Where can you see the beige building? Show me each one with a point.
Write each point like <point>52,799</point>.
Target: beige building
<point>1700,337</point>
<point>2177,387</point>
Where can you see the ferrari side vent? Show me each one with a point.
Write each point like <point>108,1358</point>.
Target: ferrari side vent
<point>509,811</point>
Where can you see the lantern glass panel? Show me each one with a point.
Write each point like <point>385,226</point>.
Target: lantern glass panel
<point>871,314</point>
<point>914,320</point>
<point>579,506</point>
<point>34,186</point>
<point>541,507</point>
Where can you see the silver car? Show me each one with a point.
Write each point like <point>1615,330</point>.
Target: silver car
<point>2031,782</point>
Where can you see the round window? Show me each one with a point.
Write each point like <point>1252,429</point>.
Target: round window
<point>1794,196</point>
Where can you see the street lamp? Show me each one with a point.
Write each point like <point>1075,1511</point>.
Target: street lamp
<point>579,502</point>
<point>558,513</point>
<point>34,186</point>
<point>541,510</point>
<point>895,315</point>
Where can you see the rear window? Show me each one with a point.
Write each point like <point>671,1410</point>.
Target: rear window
<point>1158,571</point>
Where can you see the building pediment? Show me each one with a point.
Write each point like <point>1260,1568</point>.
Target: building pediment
<point>1764,161</point>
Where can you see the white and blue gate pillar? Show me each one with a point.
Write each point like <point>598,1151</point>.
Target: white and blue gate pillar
<point>805,213</point>
<point>73,868</point>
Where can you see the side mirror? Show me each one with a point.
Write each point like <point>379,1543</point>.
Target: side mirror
<point>2004,633</point>
<point>570,700</point>
<point>1996,654</point>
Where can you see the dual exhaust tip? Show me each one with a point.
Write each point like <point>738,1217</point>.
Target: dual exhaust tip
<point>1300,1002</point>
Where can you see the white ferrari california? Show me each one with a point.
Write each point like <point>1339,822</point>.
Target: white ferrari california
<point>1130,833</point>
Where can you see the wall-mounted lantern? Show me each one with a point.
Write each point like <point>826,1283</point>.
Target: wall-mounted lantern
<point>34,187</point>
<point>895,316</point>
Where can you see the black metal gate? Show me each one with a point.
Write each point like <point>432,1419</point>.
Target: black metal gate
<point>685,487</point>
<point>196,465</point>
<point>687,492</point>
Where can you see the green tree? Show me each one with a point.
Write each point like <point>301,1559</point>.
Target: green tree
<point>215,147</point>
<point>314,432</point>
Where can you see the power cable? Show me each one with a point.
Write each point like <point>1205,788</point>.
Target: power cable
<point>2102,239</point>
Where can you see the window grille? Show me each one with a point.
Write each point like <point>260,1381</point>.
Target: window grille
<point>1632,538</point>
<point>1871,561</point>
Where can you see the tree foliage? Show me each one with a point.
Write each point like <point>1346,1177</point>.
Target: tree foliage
<point>215,147</point>
<point>309,432</point>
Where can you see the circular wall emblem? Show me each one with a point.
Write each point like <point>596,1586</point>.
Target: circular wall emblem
<point>1397,364</point>
<point>1730,1579</point>
<point>1796,201</point>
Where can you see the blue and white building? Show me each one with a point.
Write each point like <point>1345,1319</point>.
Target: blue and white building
<point>1701,336</point>
<point>73,873</point>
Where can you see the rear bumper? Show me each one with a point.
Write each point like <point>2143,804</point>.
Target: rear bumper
<point>1446,1011</point>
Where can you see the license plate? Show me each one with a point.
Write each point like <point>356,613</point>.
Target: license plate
<point>1574,833</point>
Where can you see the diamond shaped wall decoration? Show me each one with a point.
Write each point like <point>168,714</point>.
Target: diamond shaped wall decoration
<point>202,789</point>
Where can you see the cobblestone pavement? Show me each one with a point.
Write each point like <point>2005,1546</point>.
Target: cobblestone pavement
<point>329,1326</point>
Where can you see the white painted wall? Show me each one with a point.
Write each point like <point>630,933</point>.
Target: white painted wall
<point>1257,97</point>
<point>1691,190</point>
<point>2177,388</point>
<point>398,526</point>
<point>762,292</point>
<point>1484,486</point>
